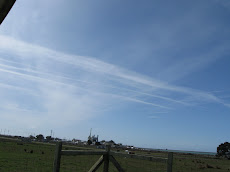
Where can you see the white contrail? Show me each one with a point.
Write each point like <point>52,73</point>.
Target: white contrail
<point>32,52</point>
<point>36,78</point>
<point>93,83</point>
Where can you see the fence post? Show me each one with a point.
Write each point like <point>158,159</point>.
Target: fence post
<point>106,158</point>
<point>170,162</point>
<point>57,157</point>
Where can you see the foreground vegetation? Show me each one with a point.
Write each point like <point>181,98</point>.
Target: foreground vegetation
<point>16,156</point>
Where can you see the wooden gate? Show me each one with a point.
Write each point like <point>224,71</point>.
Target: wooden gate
<point>107,156</point>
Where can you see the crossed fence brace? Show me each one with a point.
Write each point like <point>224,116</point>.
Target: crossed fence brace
<point>106,157</point>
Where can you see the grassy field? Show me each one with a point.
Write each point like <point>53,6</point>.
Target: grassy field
<point>16,156</point>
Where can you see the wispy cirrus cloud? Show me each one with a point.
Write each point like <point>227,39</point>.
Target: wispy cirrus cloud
<point>78,86</point>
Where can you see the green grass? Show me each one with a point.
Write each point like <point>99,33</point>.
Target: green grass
<point>16,156</point>
<point>84,163</point>
<point>200,163</point>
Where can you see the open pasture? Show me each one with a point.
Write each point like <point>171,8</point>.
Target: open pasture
<point>16,156</point>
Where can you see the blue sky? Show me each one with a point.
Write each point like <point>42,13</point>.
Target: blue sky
<point>146,73</point>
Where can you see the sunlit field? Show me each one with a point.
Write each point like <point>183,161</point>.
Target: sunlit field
<point>16,156</point>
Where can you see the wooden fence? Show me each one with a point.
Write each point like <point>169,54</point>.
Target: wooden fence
<point>107,156</point>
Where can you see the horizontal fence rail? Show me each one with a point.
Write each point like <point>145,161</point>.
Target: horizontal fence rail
<point>141,157</point>
<point>107,156</point>
<point>77,152</point>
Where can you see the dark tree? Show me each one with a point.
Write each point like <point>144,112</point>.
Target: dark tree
<point>89,142</point>
<point>49,138</point>
<point>40,137</point>
<point>97,143</point>
<point>112,142</point>
<point>223,150</point>
<point>31,137</point>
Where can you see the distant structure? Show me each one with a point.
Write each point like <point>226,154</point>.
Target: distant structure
<point>92,139</point>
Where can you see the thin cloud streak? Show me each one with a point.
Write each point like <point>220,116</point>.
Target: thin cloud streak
<point>153,117</point>
<point>27,91</point>
<point>126,77</point>
<point>76,80</point>
<point>40,79</point>
<point>139,101</point>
